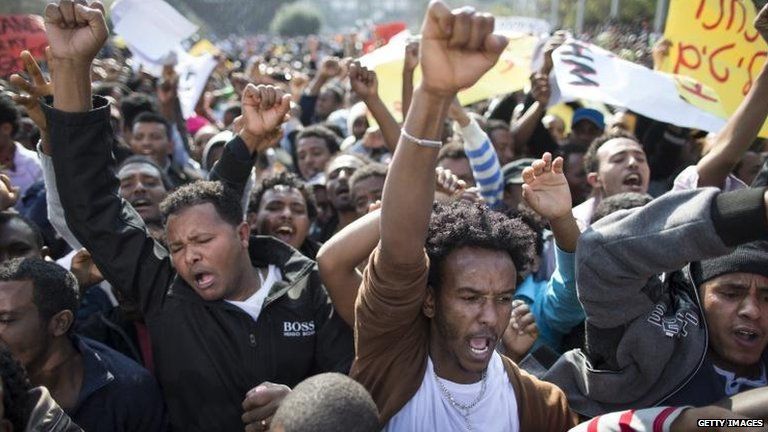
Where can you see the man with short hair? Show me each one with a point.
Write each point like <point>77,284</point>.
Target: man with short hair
<point>502,139</point>
<point>453,157</point>
<point>315,146</point>
<point>226,312</point>
<point>428,322</point>
<point>151,137</point>
<point>366,186</point>
<point>99,388</point>
<point>327,402</point>
<point>19,237</point>
<point>337,174</point>
<point>615,163</point>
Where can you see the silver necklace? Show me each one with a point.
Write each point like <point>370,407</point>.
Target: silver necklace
<point>464,410</point>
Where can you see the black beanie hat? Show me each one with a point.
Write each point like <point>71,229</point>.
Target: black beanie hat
<point>748,258</point>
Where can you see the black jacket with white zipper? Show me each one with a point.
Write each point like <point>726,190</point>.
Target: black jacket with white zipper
<point>208,354</point>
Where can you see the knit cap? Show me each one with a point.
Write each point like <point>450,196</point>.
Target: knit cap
<point>747,258</point>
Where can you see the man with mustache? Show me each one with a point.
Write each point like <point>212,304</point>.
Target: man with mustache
<point>428,322</point>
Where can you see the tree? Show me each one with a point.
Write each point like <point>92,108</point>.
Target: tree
<point>296,19</point>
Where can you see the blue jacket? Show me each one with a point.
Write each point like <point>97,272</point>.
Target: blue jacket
<point>554,303</point>
<point>117,394</point>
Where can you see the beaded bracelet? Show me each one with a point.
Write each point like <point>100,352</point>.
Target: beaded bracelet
<point>419,141</point>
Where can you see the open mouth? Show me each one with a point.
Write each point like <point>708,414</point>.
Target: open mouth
<point>634,181</point>
<point>746,335</point>
<point>203,280</point>
<point>283,232</point>
<point>140,203</point>
<point>480,346</point>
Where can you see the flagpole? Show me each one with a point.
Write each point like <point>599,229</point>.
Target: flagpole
<point>554,11</point>
<point>661,15</point>
<point>580,17</point>
<point>614,8</point>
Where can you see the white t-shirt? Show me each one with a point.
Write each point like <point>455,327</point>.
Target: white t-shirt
<point>430,410</point>
<point>253,304</point>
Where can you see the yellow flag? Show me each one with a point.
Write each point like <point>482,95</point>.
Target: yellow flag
<point>508,75</point>
<point>714,42</point>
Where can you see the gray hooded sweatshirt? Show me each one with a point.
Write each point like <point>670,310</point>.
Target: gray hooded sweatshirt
<point>646,336</point>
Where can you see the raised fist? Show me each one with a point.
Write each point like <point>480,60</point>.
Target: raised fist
<point>76,32</point>
<point>265,108</point>
<point>457,48</point>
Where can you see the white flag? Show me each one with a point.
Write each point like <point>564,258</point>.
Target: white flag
<point>585,71</point>
<point>193,76</point>
<point>152,27</point>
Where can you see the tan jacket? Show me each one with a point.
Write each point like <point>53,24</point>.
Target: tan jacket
<point>392,340</point>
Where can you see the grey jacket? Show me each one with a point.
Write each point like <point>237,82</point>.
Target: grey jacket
<point>645,332</point>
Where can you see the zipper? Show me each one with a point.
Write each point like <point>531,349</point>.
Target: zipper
<point>688,379</point>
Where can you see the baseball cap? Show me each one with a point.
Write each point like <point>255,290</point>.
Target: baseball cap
<point>591,115</point>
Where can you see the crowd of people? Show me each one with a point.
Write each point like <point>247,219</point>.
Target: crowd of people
<point>292,258</point>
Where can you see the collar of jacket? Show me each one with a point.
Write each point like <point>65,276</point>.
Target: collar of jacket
<point>96,374</point>
<point>263,250</point>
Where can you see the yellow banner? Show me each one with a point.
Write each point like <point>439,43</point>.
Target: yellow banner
<point>202,47</point>
<point>714,42</point>
<point>508,75</point>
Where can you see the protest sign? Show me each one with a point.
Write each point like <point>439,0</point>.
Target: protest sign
<point>193,76</point>
<point>714,42</point>
<point>151,27</point>
<point>588,72</point>
<point>19,33</point>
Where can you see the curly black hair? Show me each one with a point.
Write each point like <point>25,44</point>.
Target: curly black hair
<point>285,179</point>
<point>16,388</point>
<point>224,199</point>
<point>622,201</point>
<point>459,224</point>
<point>591,162</point>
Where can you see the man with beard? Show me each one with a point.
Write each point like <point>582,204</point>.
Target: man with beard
<point>427,322</point>
<point>615,163</point>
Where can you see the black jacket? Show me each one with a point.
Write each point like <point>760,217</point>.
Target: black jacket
<point>208,354</point>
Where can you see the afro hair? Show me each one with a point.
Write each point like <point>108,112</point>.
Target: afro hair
<point>460,224</point>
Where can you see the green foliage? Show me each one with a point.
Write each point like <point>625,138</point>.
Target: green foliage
<point>296,19</point>
<point>22,6</point>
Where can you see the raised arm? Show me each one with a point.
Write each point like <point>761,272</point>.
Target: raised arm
<point>409,67</point>
<point>338,260</point>
<point>546,192</point>
<point>365,83</point>
<point>525,126</point>
<point>81,146</point>
<point>742,127</point>
<point>329,69</point>
<point>265,108</point>
<point>618,255</point>
<point>483,159</point>
<point>457,48</point>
